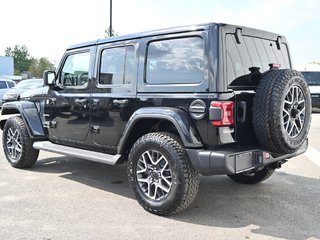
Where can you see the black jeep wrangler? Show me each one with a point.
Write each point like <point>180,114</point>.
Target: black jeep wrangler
<point>204,99</point>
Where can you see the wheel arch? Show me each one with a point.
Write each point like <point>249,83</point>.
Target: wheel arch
<point>166,119</point>
<point>29,113</point>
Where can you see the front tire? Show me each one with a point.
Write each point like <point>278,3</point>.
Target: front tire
<point>17,144</point>
<point>252,177</point>
<point>160,174</point>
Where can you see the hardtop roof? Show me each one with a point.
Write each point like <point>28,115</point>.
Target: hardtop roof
<point>229,28</point>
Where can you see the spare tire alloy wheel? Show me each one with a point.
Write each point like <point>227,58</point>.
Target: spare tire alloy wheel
<point>294,111</point>
<point>154,175</point>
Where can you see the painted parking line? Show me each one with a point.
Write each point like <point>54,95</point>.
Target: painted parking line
<point>313,154</point>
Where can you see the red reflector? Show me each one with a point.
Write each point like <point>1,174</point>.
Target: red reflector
<point>274,65</point>
<point>227,113</point>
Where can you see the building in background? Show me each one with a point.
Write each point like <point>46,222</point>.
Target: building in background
<point>6,66</point>
<point>7,69</point>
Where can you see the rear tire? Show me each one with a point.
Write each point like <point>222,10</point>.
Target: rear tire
<point>252,177</point>
<point>17,144</point>
<point>160,174</point>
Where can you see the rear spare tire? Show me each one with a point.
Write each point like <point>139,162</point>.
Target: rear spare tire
<point>282,111</point>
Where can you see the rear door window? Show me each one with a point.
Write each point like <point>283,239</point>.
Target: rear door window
<point>117,66</point>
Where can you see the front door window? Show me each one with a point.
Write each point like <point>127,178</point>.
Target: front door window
<point>75,70</point>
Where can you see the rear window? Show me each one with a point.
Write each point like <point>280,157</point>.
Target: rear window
<point>312,78</point>
<point>175,61</point>
<point>3,85</point>
<point>252,52</point>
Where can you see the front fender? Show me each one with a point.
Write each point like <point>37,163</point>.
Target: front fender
<point>28,112</point>
<point>179,118</point>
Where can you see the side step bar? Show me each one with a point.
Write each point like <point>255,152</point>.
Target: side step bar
<point>76,152</point>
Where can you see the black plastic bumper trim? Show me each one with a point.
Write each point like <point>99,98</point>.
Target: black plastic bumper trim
<point>232,161</point>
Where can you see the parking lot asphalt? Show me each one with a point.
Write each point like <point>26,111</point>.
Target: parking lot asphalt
<point>67,198</point>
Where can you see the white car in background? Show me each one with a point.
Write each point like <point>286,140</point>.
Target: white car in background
<point>313,80</point>
<point>5,85</point>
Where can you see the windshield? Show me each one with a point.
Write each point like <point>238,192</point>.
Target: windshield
<point>312,78</point>
<point>29,84</point>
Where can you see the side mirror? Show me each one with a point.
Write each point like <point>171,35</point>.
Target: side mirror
<point>48,77</point>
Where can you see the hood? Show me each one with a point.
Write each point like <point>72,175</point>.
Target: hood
<point>13,93</point>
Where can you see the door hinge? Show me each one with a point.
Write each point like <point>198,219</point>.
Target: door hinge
<point>53,124</point>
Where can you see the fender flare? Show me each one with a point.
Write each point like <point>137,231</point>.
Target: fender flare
<point>29,113</point>
<point>179,118</point>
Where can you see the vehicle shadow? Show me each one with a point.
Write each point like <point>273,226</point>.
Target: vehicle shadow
<point>102,176</point>
<point>285,206</point>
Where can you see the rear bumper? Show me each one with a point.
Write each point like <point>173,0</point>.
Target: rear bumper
<point>236,160</point>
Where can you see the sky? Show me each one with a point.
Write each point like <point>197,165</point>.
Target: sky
<point>48,27</point>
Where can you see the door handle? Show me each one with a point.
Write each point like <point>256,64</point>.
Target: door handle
<point>81,102</point>
<point>121,103</point>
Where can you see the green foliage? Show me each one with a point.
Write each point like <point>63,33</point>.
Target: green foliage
<point>24,62</point>
<point>315,62</point>
<point>108,33</point>
<point>38,66</point>
<point>21,56</point>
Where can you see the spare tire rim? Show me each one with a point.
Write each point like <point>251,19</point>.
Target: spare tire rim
<point>154,175</point>
<point>13,143</point>
<point>294,111</point>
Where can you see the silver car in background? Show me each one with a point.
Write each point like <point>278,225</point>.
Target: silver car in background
<point>23,86</point>
<point>5,85</point>
<point>313,80</point>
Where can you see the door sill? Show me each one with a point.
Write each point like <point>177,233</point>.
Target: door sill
<point>76,152</point>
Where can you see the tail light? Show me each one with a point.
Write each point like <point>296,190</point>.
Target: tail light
<point>222,113</point>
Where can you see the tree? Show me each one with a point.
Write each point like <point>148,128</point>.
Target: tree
<point>21,56</point>
<point>315,62</point>
<point>108,33</point>
<point>38,66</point>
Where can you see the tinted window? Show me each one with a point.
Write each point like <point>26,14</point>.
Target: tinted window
<point>11,84</point>
<point>252,52</point>
<point>117,65</point>
<point>3,85</point>
<point>175,61</point>
<point>75,70</point>
<point>312,78</point>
